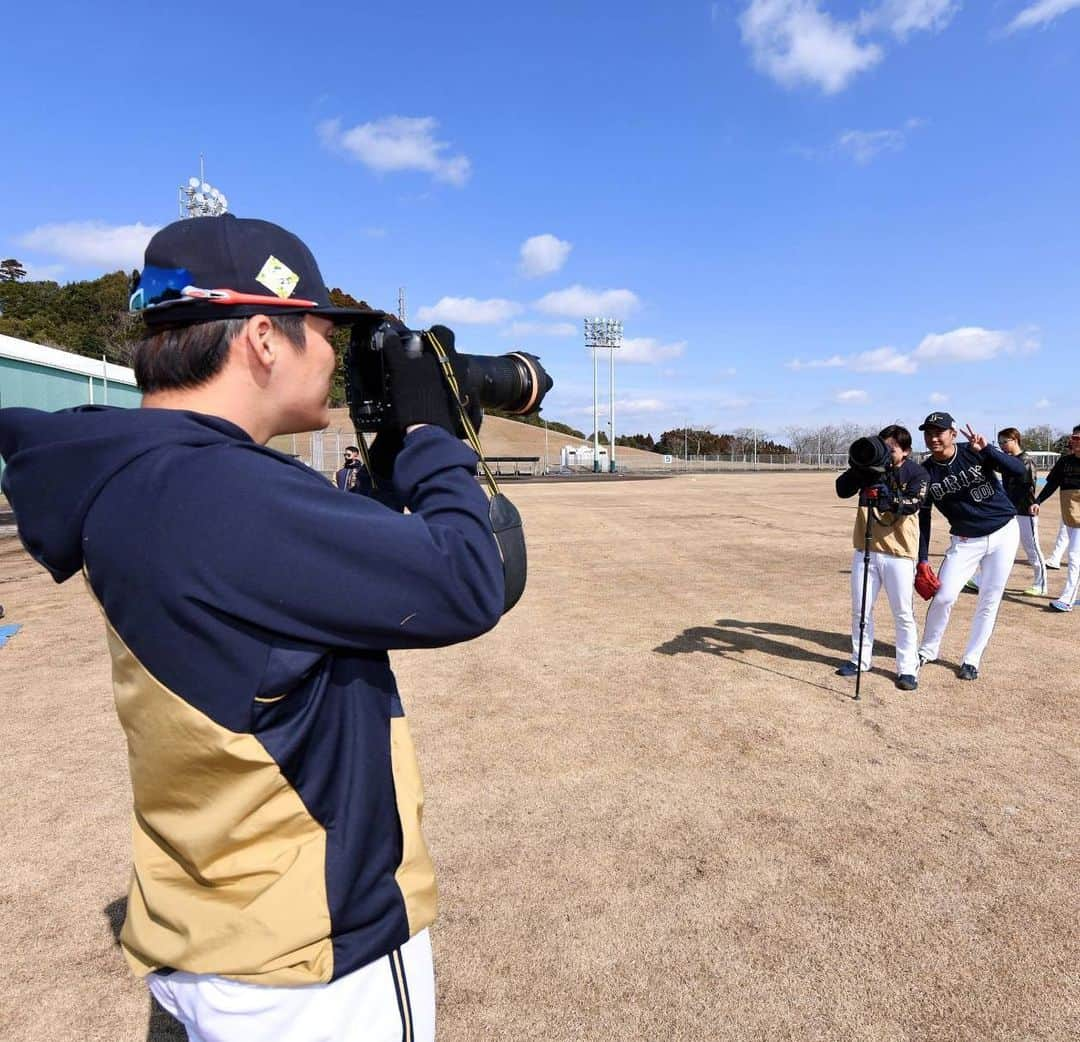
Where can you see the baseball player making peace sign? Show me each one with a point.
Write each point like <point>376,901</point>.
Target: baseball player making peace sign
<point>984,532</point>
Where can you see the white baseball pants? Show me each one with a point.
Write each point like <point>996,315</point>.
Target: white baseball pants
<point>897,575</point>
<point>994,555</point>
<point>1072,577</point>
<point>1060,545</point>
<point>390,1000</point>
<point>1029,540</point>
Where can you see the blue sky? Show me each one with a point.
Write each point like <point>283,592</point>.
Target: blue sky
<point>804,211</point>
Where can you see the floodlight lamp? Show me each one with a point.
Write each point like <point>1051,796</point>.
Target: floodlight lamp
<point>193,182</point>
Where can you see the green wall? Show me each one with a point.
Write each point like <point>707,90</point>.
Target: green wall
<point>40,387</point>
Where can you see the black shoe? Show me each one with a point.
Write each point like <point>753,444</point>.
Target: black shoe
<point>848,669</point>
<point>968,672</point>
<point>907,682</point>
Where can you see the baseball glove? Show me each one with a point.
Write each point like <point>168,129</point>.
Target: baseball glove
<point>926,582</point>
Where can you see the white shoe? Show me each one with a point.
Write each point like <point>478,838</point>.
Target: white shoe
<point>1060,606</point>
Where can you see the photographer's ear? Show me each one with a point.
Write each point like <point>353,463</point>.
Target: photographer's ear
<point>262,340</point>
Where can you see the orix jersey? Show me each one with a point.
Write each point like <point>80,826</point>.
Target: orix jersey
<point>967,491</point>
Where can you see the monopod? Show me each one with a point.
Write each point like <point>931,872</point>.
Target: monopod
<point>871,500</point>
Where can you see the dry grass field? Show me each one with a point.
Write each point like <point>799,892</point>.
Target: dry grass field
<point>656,813</point>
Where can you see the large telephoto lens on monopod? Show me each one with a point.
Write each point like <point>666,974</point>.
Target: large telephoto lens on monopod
<point>869,454</point>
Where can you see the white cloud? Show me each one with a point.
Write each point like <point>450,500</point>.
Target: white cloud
<point>834,362</point>
<point>865,145</point>
<point>375,233</point>
<point>852,397</point>
<point>92,242</point>
<point>1041,13</point>
<point>468,311</point>
<point>578,301</point>
<point>543,255</point>
<point>625,406</point>
<point>903,17</point>
<point>632,406</point>
<point>647,350</point>
<point>1043,403</point>
<point>967,344</point>
<point>43,272</point>
<point>397,143</point>
<point>937,398</point>
<point>795,42</point>
<point>540,329</point>
<point>883,360</point>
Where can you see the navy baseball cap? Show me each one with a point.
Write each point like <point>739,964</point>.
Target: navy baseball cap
<point>207,268</point>
<point>941,420</point>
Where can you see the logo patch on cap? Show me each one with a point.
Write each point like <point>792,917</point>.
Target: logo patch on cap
<point>277,277</point>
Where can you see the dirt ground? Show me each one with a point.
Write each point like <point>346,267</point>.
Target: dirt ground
<point>655,811</point>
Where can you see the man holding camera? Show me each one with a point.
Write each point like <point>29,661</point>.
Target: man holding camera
<point>984,534</point>
<point>892,490</point>
<point>281,887</point>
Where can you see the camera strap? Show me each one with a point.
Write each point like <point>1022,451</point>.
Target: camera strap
<point>502,514</point>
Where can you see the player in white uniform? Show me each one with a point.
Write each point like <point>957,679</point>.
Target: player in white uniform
<point>982,523</point>
<point>1065,476</point>
<point>897,495</point>
<point>1061,546</point>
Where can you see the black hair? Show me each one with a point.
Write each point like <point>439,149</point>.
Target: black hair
<point>187,356</point>
<point>901,435</point>
<point>352,448</point>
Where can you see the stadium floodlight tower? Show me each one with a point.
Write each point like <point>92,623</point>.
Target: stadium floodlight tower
<point>198,199</point>
<point>603,333</point>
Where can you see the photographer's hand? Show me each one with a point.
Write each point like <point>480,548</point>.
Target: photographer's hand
<point>460,366</point>
<point>418,391</point>
<point>382,453</point>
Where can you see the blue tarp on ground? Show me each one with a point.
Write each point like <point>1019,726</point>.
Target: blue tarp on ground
<point>7,632</point>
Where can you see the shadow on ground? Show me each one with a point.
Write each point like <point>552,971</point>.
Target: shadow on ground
<point>778,639</point>
<point>162,1027</point>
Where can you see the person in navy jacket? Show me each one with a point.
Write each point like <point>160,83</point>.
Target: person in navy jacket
<point>984,534</point>
<point>249,610</point>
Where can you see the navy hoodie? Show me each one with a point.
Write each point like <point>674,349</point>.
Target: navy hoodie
<point>249,608</point>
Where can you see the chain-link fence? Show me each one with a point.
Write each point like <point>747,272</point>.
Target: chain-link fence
<point>715,464</point>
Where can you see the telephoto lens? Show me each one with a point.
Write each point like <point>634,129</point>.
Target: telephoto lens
<point>515,383</point>
<point>869,454</point>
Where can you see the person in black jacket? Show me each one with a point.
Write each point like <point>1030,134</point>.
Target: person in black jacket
<point>890,503</point>
<point>1021,491</point>
<point>1065,476</point>
<point>983,528</point>
<point>345,479</point>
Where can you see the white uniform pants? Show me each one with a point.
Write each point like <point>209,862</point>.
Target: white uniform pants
<point>897,575</point>
<point>994,555</point>
<point>1072,577</point>
<point>390,1000</point>
<point>1060,545</point>
<point>1029,540</point>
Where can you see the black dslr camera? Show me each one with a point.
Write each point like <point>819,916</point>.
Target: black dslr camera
<point>515,383</point>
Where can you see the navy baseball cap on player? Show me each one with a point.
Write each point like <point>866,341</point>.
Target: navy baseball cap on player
<point>941,420</point>
<point>207,268</point>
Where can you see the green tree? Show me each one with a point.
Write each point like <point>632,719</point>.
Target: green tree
<point>11,270</point>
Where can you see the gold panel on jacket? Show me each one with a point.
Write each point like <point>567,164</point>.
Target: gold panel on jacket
<point>1070,507</point>
<point>891,534</point>
<point>416,875</point>
<point>229,873</point>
